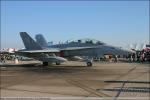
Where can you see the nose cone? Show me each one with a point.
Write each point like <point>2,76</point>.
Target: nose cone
<point>124,51</point>
<point>120,51</point>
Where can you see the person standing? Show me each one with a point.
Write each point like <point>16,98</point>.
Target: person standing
<point>116,58</point>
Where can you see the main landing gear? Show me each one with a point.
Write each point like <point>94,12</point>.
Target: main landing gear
<point>89,64</point>
<point>57,63</point>
<point>45,63</point>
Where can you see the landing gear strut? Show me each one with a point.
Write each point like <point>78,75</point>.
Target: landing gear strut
<point>45,63</point>
<point>89,64</point>
<point>57,63</point>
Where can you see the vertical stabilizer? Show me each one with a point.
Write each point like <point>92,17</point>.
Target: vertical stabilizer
<point>29,43</point>
<point>41,40</point>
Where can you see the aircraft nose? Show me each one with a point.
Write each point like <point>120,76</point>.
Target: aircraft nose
<point>127,51</point>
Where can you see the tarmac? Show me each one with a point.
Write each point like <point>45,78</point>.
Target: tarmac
<point>74,80</point>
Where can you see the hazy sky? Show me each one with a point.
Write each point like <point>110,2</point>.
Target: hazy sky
<point>114,22</point>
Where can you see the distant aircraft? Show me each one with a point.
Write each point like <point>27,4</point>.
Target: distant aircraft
<point>57,53</point>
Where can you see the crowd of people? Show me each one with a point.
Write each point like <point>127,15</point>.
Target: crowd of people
<point>4,57</point>
<point>140,56</point>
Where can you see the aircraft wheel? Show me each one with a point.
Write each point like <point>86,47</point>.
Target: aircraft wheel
<point>57,63</point>
<point>45,63</point>
<point>89,64</point>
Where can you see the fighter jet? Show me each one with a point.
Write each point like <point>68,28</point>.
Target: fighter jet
<point>57,53</point>
<point>107,49</point>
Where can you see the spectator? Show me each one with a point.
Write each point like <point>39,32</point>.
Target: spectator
<point>116,58</point>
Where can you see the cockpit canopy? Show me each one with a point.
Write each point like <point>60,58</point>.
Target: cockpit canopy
<point>89,41</point>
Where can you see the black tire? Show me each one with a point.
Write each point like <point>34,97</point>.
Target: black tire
<point>57,63</point>
<point>89,64</point>
<point>45,63</point>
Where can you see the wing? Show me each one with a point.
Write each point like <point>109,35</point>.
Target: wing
<point>36,54</point>
<point>40,51</point>
<point>42,55</point>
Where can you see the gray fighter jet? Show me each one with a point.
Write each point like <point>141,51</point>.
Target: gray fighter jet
<point>107,49</point>
<point>57,53</point>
